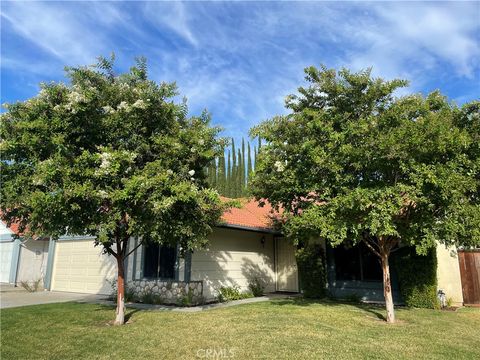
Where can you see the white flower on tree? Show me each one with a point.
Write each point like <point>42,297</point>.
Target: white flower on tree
<point>279,166</point>
<point>139,104</point>
<point>123,106</point>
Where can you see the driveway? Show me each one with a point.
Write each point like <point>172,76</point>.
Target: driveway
<point>15,298</point>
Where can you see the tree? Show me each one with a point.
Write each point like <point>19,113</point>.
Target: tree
<point>233,177</point>
<point>353,163</point>
<point>221,173</point>
<point>228,189</point>
<point>239,183</point>
<point>112,156</point>
<point>249,165</point>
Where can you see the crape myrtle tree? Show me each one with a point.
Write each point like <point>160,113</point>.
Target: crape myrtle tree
<point>353,163</point>
<point>112,156</point>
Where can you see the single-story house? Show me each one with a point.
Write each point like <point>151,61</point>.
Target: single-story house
<point>244,247</point>
<point>21,259</point>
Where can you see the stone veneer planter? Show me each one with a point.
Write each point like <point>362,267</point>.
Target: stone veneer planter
<point>169,292</point>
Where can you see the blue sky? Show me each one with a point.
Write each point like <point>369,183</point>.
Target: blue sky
<point>240,59</point>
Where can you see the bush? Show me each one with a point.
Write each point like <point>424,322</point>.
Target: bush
<point>312,270</point>
<point>129,292</point>
<point>33,287</point>
<point>148,297</point>
<point>257,287</point>
<point>187,300</point>
<point>417,277</point>
<point>229,293</point>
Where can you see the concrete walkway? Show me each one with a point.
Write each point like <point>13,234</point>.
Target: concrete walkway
<point>15,298</point>
<point>192,309</point>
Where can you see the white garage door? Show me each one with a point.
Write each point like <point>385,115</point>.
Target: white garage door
<point>6,250</point>
<point>81,267</point>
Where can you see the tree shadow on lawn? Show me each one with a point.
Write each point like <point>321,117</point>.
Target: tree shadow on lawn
<point>129,312</point>
<point>369,308</point>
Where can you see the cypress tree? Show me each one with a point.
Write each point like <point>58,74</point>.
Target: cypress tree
<point>228,188</point>
<point>221,173</point>
<point>243,167</point>
<point>213,173</point>
<point>249,165</point>
<point>239,182</point>
<point>233,176</point>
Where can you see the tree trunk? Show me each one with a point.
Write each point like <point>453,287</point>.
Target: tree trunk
<point>120,312</point>
<point>387,288</point>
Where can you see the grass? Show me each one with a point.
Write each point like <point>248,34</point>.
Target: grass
<point>280,329</point>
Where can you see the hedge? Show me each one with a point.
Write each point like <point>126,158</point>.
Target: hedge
<point>417,275</point>
<point>312,270</point>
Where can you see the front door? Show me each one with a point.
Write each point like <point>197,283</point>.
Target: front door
<point>287,274</point>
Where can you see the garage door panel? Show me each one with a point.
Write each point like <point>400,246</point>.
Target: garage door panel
<point>81,267</point>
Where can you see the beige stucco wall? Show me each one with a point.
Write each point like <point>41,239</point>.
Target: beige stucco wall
<point>234,257</point>
<point>448,273</point>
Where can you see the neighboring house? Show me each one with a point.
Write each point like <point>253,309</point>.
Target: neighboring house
<point>244,247</point>
<point>21,259</point>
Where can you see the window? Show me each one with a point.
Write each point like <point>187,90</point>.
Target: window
<point>356,263</point>
<point>159,262</point>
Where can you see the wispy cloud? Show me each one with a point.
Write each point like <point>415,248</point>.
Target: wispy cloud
<point>172,16</point>
<point>240,60</point>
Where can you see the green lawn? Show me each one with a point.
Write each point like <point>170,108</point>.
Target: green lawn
<point>281,329</point>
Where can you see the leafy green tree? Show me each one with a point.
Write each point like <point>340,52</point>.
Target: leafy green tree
<point>112,156</point>
<point>353,163</point>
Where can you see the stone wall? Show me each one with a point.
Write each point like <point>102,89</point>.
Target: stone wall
<point>168,292</point>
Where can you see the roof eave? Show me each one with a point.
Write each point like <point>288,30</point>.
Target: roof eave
<point>250,228</point>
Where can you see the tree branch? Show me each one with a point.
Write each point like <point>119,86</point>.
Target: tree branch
<point>135,248</point>
<point>111,252</point>
<point>371,247</point>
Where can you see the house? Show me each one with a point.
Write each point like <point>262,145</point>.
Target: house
<point>243,248</point>
<point>21,259</point>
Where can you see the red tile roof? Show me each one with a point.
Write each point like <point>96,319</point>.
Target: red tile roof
<point>250,215</point>
<point>14,228</point>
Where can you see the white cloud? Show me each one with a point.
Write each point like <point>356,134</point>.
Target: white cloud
<point>173,16</point>
<point>430,33</point>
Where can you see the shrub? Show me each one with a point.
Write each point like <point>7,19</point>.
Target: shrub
<point>187,300</point>
<point>312,270</point>
<point>229,293</point>
<point>417,275</point>
<point>148,297</point>
<point>257,287</point>
<point>129,292</point>
<point>33,287</point>
<point>353,298</point>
